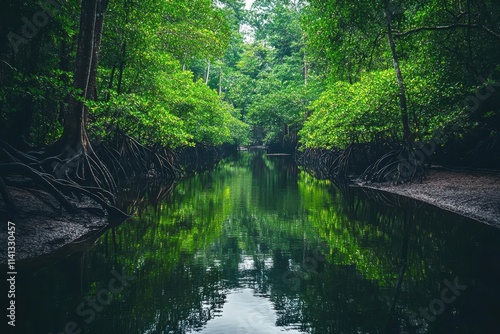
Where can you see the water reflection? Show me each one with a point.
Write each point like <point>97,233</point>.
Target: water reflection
<point>258,246</point>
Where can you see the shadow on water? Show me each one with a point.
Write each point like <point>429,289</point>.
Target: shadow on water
<point>259,246</point>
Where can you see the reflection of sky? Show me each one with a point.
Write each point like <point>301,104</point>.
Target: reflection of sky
<point>246,313</point>
<point>248,263</point>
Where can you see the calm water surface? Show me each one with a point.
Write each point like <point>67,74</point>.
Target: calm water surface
<point>258,246</point>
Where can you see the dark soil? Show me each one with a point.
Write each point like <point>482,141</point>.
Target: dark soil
<point>42,228</point>
<point>474,194</point>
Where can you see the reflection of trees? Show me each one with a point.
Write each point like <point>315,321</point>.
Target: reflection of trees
<point>135,197</point>
<point>176,289</point>
<point>401,257</point>
<point>330,261</point>
<point>190,252</point>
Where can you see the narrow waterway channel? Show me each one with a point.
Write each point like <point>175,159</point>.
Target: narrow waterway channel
<point>259,246</point>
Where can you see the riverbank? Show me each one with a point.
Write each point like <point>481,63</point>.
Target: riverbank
<point>474,194</point>
<point>42,229</point>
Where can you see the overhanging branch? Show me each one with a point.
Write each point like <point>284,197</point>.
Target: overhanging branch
<point>448,27</point>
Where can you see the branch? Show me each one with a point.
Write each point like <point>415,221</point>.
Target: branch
<point>448,27</point>
<point>375,43</point>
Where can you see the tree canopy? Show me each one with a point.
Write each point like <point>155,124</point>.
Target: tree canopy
<point>290,74</point>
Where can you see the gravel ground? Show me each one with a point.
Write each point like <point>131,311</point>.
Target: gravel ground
<point>474,194</point>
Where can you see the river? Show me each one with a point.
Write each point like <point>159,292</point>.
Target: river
<point>259,246</point>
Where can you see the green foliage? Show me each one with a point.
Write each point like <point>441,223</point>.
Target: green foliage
<point>347,113</point>
<point>441,49</point>
<point>268,82</point>
<point>142,87</point>
<point>34,72</point>
<point>343,38</point>
<point>194,29</point>
<point>368,110</point>
<point>278,109</point>
<point>174,111</point>
<point>149,95</point>
<point>181,72</point>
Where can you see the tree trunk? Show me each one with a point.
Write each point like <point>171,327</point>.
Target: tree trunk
<point>74,117</point>
<point>110,83</point>
<point>74,166</point>
<point>19,133</point>
<point>220,82</point>
<point>84,79</point>
<point>122,68</point>
<point>99,25</point>
<point>304,59</point>
<point>208,72</point>
<point>402,89</point>
<point>80,162</point>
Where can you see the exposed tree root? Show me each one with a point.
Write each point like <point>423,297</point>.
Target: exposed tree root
<point>138,196</point>
<point>316,161</point>
<point>360,161</point>
<point>397,166</point>
<point>129,159</point>
<point>200,157</point>
<point>69,174</point>
<point>43,180</point>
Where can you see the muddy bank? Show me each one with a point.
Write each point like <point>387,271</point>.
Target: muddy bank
<point>41,228</point>
<point>474,194</point>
